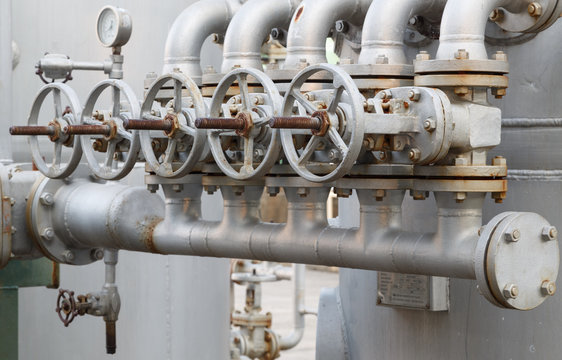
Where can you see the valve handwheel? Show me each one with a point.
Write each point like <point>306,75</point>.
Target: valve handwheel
<point>58,168</point>
<point>248,132</point>
<point>338,126</point>
<point>183,144</point>
<point>121,147</point>
<point>66,306</point>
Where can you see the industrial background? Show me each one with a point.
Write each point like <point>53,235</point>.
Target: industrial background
<point>413,144</point>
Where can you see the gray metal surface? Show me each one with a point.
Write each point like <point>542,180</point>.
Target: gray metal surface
<point>474,329</point>
<point>165,313</point>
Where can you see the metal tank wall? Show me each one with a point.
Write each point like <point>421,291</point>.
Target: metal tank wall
<point>172,307</point>
<point>473,328</point>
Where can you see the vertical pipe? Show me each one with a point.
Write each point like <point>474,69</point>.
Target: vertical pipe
<point>290,341</point>
<point>5,80</point>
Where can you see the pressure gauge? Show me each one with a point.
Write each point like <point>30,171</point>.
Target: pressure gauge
<point>114,26</point>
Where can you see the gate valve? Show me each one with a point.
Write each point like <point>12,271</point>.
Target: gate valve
<point>105,303</point>
<point>59,165</point>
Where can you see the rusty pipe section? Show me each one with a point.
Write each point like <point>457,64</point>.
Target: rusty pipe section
<point>250,27</point>
<point>385,25</point>
<point>189,31</point>
<point>311,25</point>
<point>464,24</point>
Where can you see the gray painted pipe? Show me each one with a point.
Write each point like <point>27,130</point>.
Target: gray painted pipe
<point>5,80</point>
<point>385,25</point>
<point>250,27</point>
<point>464,24</point>
<point>311,25</point>
<point>130,218</point>
<point>189,31</point>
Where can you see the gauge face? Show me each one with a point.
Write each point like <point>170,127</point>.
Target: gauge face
<point>114,26</point>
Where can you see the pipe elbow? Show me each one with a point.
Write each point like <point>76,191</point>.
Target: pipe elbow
<point>467,31</point>
<point>383,34</point>
<point>253,21</point>
<point>189,31</point>
<point>291,340</point>
<point>311,25</point>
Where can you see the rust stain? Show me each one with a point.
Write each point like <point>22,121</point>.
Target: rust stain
<point>299,13</point>
<point>148,235</point>
<point>55,283</point>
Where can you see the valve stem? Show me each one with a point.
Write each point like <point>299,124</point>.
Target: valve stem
<point>110,337</point>
<point>33,130</point>
<point>220,123</point>
<point>295,122</point>
<point>134,124</point>
<point>87,130</point>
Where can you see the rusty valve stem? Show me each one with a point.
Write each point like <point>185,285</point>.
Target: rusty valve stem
<point>87,130</point>
<point>220,123</point>
<point>164,124</point>
<point>318,123</point>
<point>33,130</point>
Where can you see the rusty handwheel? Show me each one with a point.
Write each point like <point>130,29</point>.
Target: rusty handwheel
<point>66,306</point>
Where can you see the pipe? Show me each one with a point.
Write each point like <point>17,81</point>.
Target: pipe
<point>292,340</point>
<point>311,25</point>
<point>189,31</point>
<point>464,24</point>
<point>385,25</point>
<point>6,80</point>
<point>250,27</point>
<point>115,216</point>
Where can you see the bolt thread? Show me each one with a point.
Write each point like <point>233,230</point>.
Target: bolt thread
<point>133,124</point>
<point>87,130</point>
<point>220,123</point>
<point>295,122</point>
<point>32,130</point>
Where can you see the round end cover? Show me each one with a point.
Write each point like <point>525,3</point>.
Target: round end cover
<point>517,260</point>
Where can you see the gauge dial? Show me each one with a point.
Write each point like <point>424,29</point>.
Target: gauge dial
<point>114,26</point>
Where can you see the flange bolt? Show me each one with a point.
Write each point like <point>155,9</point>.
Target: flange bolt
<point>549,233</point>
<point>510,291</point>
<point>513,236</point>
<point>548,288</point>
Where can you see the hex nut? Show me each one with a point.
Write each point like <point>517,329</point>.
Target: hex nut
<point>47,199</point>
<point>500,56</point>
<point>152,187</point>
<point>548,288</point>
<point>423,56</point>
<point>386,95</point>
<point>210,189</point>
<point>429,125</point>
<point>461,54</point>
<point>96,254</point>
<point>513,236</point>
<point>549,233</point>
<point>414,154</point>
<point>343,193</point>
<point>499,161</point>
<point>273,190</point>
<point>510,291</point>
<point>461,90</point>
<point>414,95</point>
<point>334,154</point>
<point>48,234</point>
<point>68,256</point>
<point>534,9</point>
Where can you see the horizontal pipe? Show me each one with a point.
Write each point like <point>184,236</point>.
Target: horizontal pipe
<point>118,217</point>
